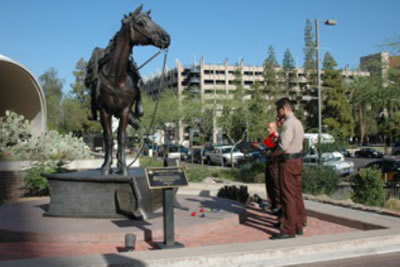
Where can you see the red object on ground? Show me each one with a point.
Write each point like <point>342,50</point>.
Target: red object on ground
<point>202,210</point>
<point>193,213</point>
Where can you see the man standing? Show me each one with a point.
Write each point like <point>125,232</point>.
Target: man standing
<point>290,169</point>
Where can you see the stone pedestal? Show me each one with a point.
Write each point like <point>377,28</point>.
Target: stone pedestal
<point>91,194</point>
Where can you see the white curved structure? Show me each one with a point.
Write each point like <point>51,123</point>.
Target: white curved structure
<point>20,92</point>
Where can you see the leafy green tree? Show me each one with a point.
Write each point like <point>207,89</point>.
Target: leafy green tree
<point>288,62</point>
<point>199,116</point>
<point>364,92</point>
<point>234,118</point>
<point>271,59</point>
<point>259,114</point>
<point>52,87</point>
<point>310,72</point>
<point>336,114</point>
<point>288,72</point>
<point>270,74</point>
<point>76,105</point>
<point>391,103</point>
<point>392,44</point>
<point>78,87</point>
<point>310,60</point>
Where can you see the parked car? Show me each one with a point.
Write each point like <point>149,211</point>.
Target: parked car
<point>174,151</point>
<point>396,149</point>
<point>334,160</point>
<point>153,147</point>
<point>390,169</point>
<point>199,153</point>
<point>222,155</point>
<point>367,152</point>
<point>210,147</point>
<point>345,152</point>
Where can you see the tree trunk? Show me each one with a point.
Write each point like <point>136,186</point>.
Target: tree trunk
<point>362,124</point>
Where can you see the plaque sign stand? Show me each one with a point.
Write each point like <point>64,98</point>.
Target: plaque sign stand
<point>167,179</point>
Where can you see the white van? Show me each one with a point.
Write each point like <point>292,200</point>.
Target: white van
<point>311,140</point>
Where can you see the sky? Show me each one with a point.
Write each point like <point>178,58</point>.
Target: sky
<point>44,34</point>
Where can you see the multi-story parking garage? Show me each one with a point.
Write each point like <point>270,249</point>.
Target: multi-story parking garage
<point>213,81</point>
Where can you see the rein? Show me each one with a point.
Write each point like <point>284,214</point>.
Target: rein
<point>158,99</point>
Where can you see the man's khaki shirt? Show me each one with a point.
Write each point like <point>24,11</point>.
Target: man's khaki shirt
<point>292,135</point>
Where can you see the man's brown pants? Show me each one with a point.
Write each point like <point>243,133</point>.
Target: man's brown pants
<point>294,214</point>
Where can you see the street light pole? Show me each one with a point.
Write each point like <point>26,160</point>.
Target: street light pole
<point>332,23</point>
<point>319,88</point>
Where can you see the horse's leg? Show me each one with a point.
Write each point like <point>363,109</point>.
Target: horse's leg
<point>138,103</point>
<point>93,104</point>
<point>121,156</point>
<point>105,119</point>
<point>133,121</point>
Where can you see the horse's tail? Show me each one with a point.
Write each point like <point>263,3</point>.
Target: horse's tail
<point>92,67</point>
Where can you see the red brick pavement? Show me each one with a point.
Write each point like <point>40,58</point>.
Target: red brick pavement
<point>256,227</point>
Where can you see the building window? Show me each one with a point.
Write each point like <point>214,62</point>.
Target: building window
<point>250,73</point>
<point>220,82</point>
<point>220,72</point>
<point>208,82</point>
<point>208,71</point>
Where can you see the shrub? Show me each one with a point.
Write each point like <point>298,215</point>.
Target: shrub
<point>197,174</point>
<point>35,183</point>
<point>368,187</point>
<point>319,180</point>
<point>18,140</point>
<point>252,173</point>
<point>13,130</point>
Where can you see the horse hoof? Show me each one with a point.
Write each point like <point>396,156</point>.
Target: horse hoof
<point>139,111</point>
<point>134,123</point>
<point>106,171</point>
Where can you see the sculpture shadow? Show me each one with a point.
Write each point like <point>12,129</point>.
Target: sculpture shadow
<point>44,207</point>
<point>120,260</point>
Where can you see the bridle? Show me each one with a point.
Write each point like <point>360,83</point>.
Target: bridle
<point>150,128</point>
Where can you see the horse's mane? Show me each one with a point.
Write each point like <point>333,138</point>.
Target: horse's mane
<point>131,17</point>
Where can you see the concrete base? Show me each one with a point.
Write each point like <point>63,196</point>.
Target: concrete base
<point>162,245</point>
<point>91,194</point>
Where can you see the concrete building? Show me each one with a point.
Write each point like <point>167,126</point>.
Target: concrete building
<point>21,92</point>
<point>213,81</point>
<point>379,63</point>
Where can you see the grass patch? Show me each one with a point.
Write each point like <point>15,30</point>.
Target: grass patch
<point>149,162</point>
<point>392,204</point>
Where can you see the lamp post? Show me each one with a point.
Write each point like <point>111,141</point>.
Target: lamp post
<point>330,22</point>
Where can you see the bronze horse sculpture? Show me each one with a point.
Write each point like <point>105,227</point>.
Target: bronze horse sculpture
<point>114,81</point>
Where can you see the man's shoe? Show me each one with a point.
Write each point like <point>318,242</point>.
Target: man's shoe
<point>281,236</point>
<point>299,232</point>
<point>276,212</point>
<point>277,225</point>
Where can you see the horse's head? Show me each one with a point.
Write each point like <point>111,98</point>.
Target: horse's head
<point>144,31</point>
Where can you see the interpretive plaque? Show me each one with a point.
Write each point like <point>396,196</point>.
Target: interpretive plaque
<point>165,177</point>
